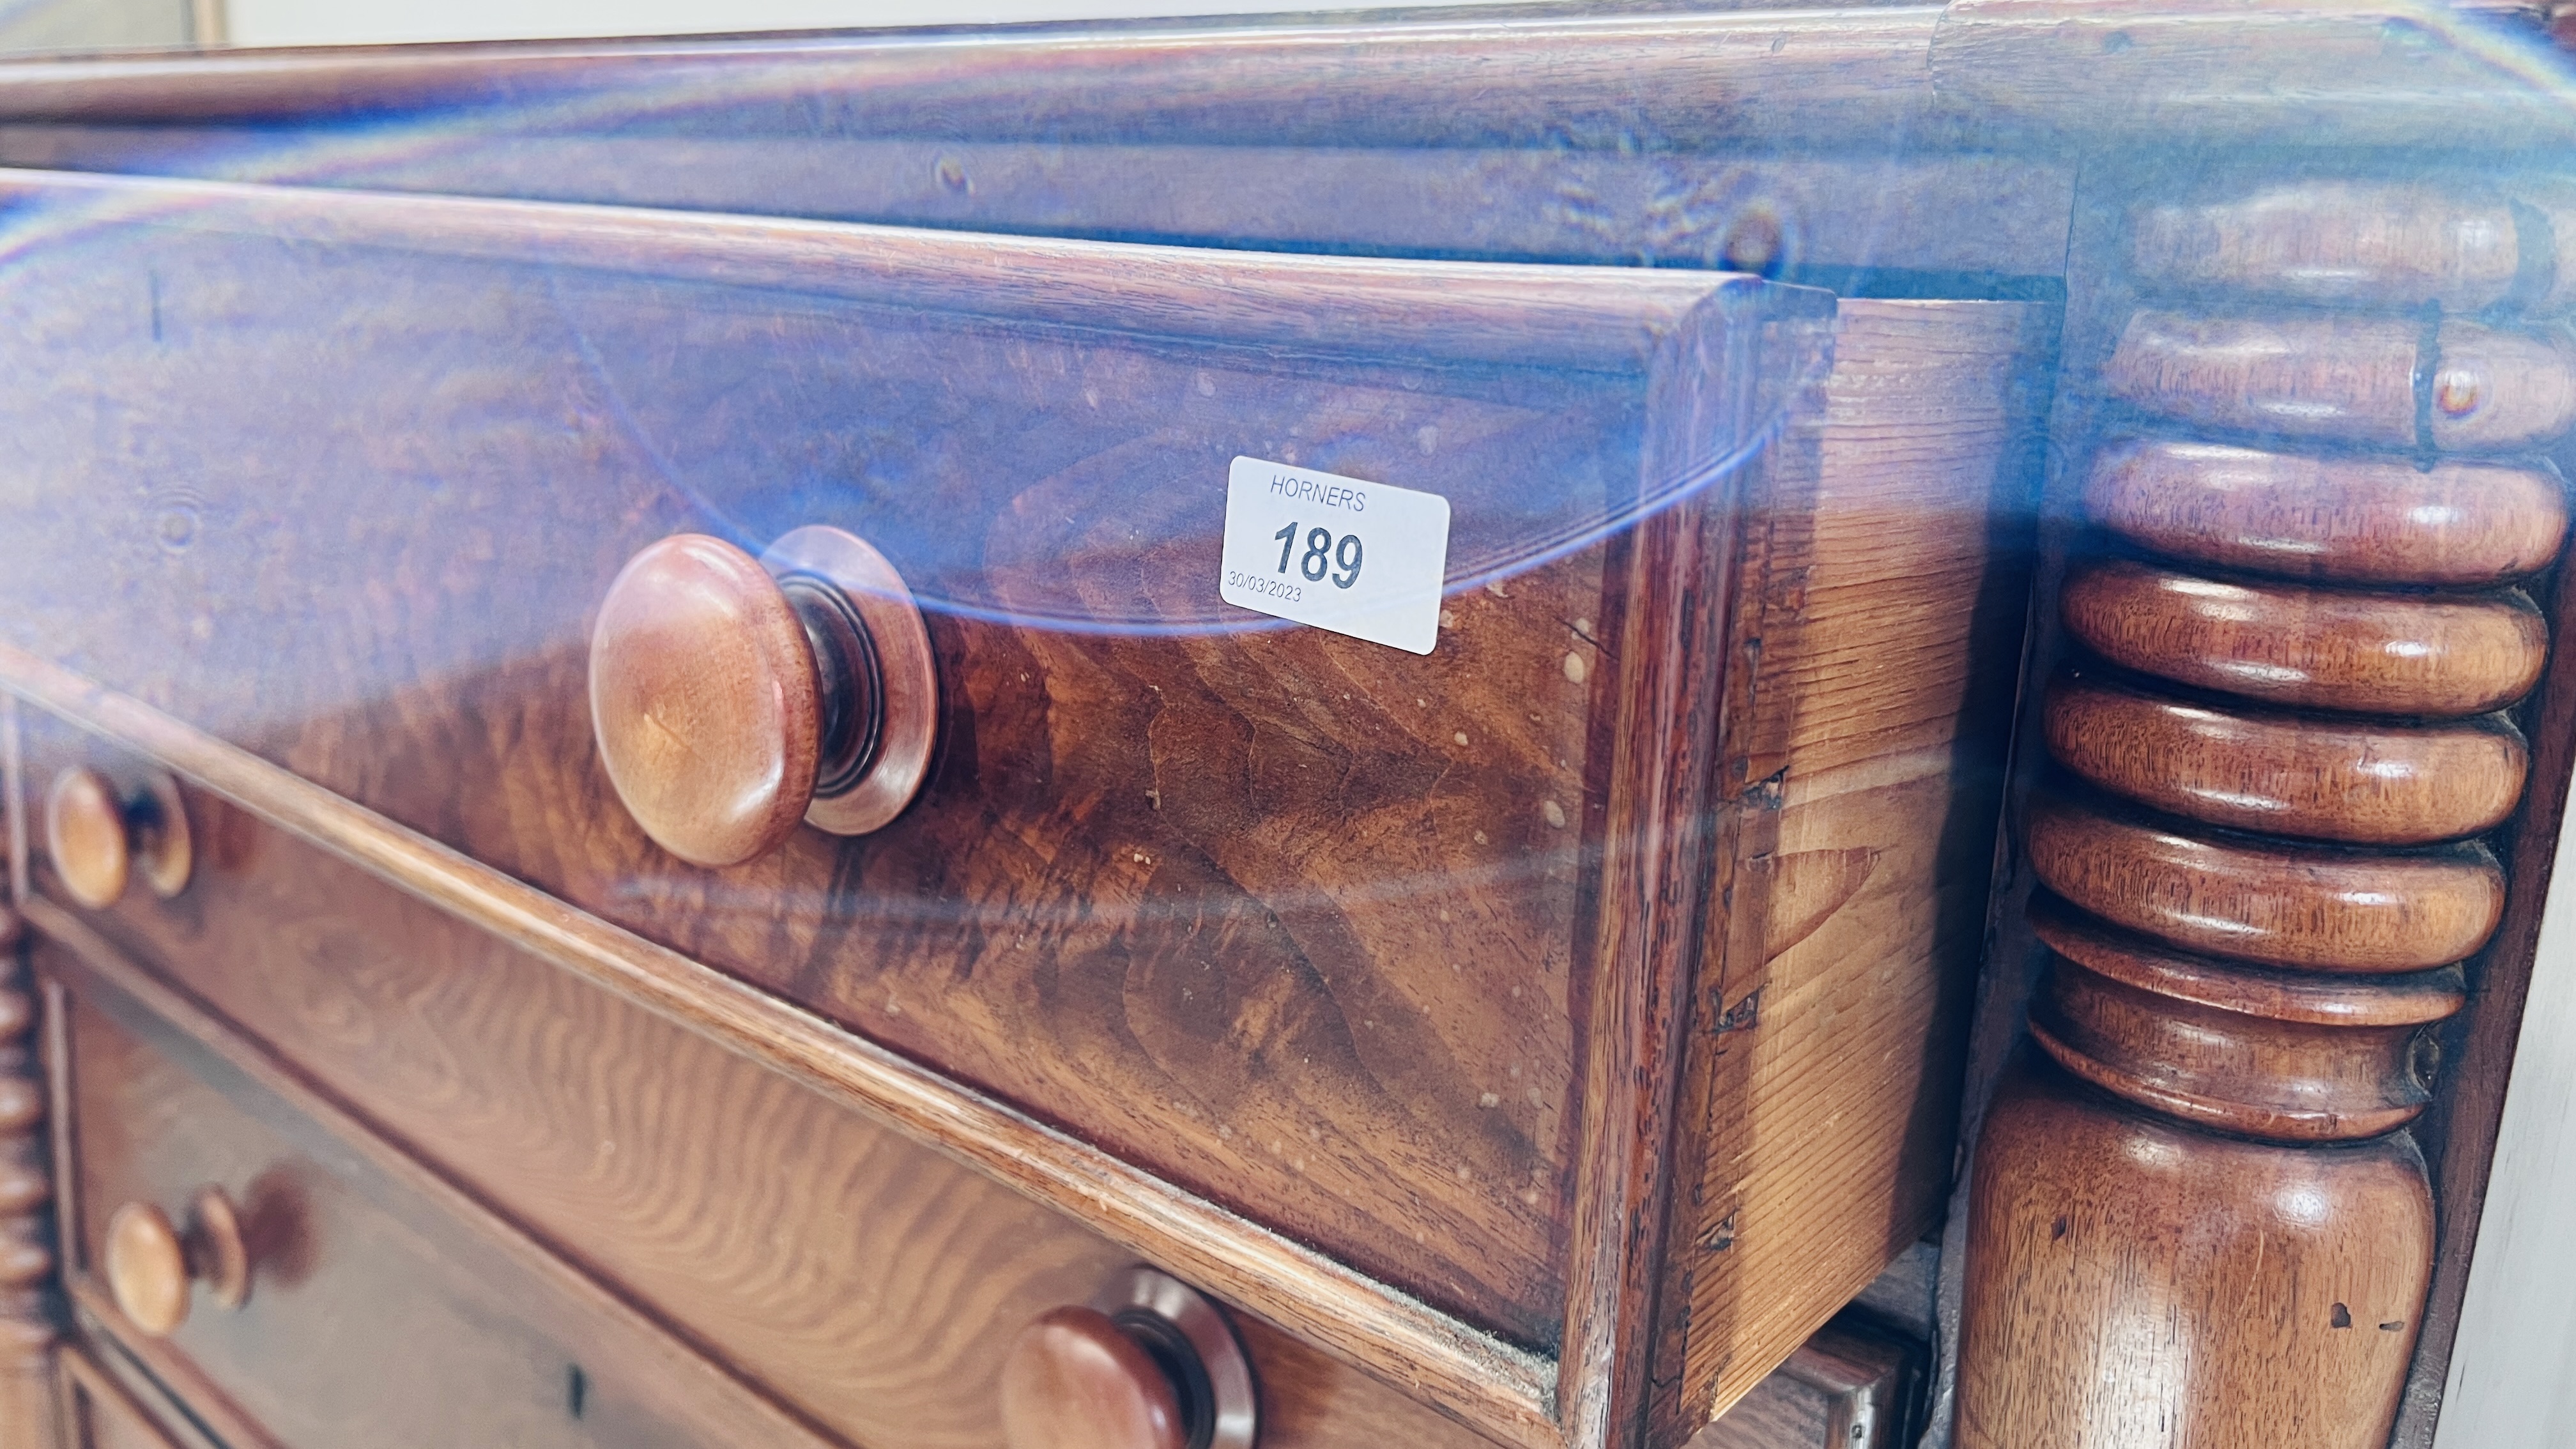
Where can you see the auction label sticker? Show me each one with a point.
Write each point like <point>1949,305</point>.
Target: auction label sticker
<point>1358,558</point>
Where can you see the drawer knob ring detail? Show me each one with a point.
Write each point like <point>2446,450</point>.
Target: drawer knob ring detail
<point>152,1264</point>
<point>733,697</point>
<point>97,836</point>
<point>1148,1364</point>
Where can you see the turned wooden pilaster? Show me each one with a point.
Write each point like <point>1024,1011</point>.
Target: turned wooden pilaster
<point>27,1310</point>
<point>2277,731</point>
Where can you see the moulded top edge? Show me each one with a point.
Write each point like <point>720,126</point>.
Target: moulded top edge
<point>1503,313</point>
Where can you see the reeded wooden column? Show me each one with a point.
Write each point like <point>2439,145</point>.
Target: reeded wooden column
<point>2277,731</point>
<point>27,1403</point>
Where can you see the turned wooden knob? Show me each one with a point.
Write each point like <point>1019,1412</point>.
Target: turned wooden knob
<point>1075,1380</point>
<point>97,836</point>
<point>152,1264</point>
<point>733,697</point>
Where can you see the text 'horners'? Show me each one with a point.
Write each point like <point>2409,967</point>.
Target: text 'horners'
<point>1310,490</point>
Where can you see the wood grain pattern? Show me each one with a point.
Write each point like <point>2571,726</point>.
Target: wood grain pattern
<point>2348,379</point>
<point>2380,246</point>
<point>1917,1153</point>
<point>447,905</point>
<point>871,1280</point>
<point>707,700</point>
<point>1485,312</point>
<point>2283,644</point>
<point>2340,519</point>
<point>100,1413</point>
<point>352,1272</point>
<point>2287,1058</point>
<point>1240,977</point>
<point>1863,769</point>
<point>1065,827</point>
<point>2309,907</point>
<point>2326,72</point>
<point>2259,1104</point>
<point>2321,778</point>
<point>2299,1275</point>
<point>1852,1386</point>
<point>29,1411</point>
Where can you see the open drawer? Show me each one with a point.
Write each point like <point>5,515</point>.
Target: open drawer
<point>1554,966</point>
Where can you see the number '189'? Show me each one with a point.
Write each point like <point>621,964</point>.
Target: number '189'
<point>1322,553</point>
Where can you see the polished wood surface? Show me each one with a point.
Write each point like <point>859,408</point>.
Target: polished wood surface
<point>1855,1385</point>
<point>871,1286</point>
<point>1364,1016</point>
<point>2313,907</point>
<point>2257,926</point>
<point>1074,1380</point>
<point>2344,519</point>
<point>1855,802</point>
<point>680,1013</point>
<point>2214,1290</point>
<point>104,1414</point>
<point>706,699</point>
<point>2275,1055</point>
<point>2404,244</point>
<point>354,1270</point>
<point>2289,644</point>
<point>101,835</point>
<point>29,1304</point>
<point>2317,777</point>
<point>2348,379</point>
<point>1062,814</point>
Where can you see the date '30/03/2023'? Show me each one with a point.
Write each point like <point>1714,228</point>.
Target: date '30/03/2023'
<point>1345,554</point>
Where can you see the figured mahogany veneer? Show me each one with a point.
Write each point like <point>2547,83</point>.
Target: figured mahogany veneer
<point>2320,777</point>
<point>2342,519</point>
<point>1231,907</point>
<point>2405,654</point>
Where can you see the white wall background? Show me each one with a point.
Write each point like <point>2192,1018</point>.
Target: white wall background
<point>352,22</point>
<point>2511,1382</point>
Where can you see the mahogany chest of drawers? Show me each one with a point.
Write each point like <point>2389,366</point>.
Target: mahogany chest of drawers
<point>647,810</point>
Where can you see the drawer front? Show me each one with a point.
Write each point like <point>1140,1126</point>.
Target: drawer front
<point>1305,924</point>
<point>865,1283</point>
<point>102,1413</point>
<point>372,1317</point>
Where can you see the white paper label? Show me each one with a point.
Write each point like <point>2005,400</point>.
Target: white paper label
<point>1358,558</point>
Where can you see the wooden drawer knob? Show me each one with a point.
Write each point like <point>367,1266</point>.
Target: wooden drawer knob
<point>97,836</point>
<point>152,1265</point>
<point>2344,519</point>
<point>2326,648</point>
<point>1075,1380</point>
<point>732,697</point>
<point>1149,1364</point>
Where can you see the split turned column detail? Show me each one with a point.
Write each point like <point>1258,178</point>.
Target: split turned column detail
<point>2277,733</point>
